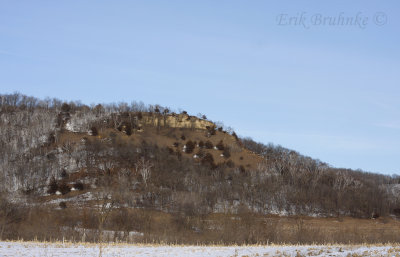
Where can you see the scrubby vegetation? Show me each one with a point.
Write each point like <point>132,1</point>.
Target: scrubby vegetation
<point>139,168</point>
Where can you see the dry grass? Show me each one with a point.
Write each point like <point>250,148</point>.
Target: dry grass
<point>394,247</point>
<point>165,137</point>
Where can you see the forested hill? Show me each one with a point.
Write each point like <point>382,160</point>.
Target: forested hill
<point>149,157</point>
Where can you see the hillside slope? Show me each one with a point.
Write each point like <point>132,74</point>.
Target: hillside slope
<point>147,166</point>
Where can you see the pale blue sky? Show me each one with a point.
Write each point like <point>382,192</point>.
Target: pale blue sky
<point>330,92</point>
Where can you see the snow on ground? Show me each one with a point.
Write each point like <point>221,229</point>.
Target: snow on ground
<point>78,199</point>
<point>69,249</point>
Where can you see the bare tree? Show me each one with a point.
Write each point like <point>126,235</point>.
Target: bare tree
<point>342,182</point>
<point>106,203</point>
<point>144,168</point>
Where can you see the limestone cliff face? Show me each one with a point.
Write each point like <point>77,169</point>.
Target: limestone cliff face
<point>176,121</point>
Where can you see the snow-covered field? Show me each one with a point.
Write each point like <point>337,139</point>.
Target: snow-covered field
<point>69,249</point>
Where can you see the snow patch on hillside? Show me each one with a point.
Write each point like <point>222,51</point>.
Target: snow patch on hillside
<point>79,199</point>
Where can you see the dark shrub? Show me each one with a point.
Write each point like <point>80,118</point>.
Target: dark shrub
<point>227,152</point>
<point>200,153</point>
<point>51,156</point>
<point>65,107</point>
<point>93,131</point>
<point>170,150</point>
<point>201,144</point>
<point>212,130</point>
<point>375,215</point>
<point>51,139</point>
<point>189,146</point>
<point>79,185</point>
<point>60,120</point>
<point>53,186</point>
<point>208,144</point>
<point>208,159</point>
<point>235,136</point>
<point>220,145</point>
<point>128,129</point>
<point>64,188</point>
<point>64,173</point>
<point>230,164</point>
<point>242,169</point>
<point>183,137</point>
<point>176,144</point>
<point>63,205</point>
